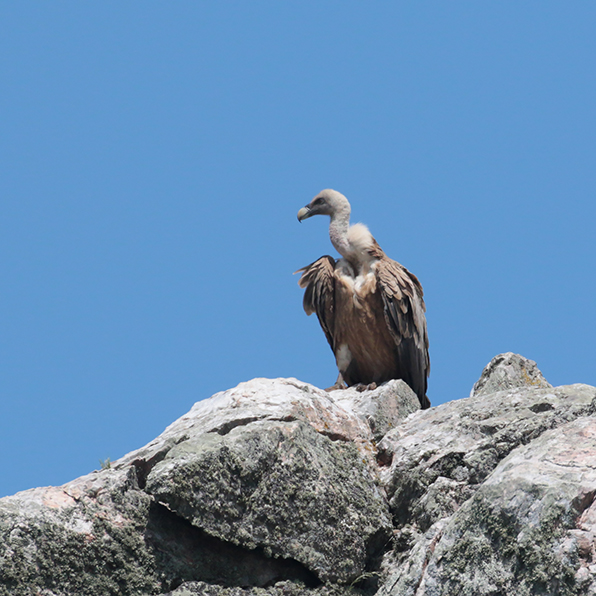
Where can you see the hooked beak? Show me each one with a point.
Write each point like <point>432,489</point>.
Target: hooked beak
<point>304,213</point>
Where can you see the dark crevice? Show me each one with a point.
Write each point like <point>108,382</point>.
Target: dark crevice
<point>541,407</point>
<point>335,436</point>
<point>144,466</point>
<point>377,546</point>
<point>225,428</point>
<point>384,457</point>
<point>185,553</point>
<point>288,418</point>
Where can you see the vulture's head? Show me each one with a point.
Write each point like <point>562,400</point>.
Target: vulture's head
<point>327,202</point>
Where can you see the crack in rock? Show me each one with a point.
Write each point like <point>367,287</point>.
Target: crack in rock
<point>227,427</point>
<point>184,553</point>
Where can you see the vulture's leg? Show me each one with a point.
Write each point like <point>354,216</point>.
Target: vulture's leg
<point>339,384</point>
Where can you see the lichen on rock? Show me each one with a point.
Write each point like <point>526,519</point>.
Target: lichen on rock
<point>276,488</point>
<point>508,371</point>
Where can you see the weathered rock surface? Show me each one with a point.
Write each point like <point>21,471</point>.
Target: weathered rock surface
<point>278,488</point>
<point>530,527</point>
<point>442,470</point>
<point>508,371</point>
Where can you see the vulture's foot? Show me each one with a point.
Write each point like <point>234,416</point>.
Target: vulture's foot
<point>362,387</point>
<point>339,384</point>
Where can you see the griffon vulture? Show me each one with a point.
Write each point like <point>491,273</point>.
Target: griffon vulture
<point>370,307</point>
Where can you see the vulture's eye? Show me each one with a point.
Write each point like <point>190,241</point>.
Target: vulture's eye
<point>319,201</point>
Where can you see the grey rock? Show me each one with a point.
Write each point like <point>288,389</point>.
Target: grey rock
<point>259,484</point>
<point>282,487</point>
<point>278,466</point>
<point>276,488</point>
<point>383,408</point>
<point>508,371</point>
<point>530,528</point>
<point>439,461</point>
<point>84,538</point>
<point>282,400</point>
<point>436,458</point>
<point>283,588</point>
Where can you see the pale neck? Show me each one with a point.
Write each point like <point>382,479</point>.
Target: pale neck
<point>338,233</point>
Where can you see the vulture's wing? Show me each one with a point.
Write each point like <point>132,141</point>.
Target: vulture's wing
<point>404,314</point>
<point>319,280</point>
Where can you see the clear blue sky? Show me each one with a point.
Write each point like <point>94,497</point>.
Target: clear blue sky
<point>154,156</point>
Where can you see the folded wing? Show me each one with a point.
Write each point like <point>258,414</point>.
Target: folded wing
<point>404,314</point>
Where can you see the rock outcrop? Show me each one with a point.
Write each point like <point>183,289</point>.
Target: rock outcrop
<point>278,488</point>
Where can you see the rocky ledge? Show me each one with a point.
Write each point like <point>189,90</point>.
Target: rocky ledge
<point>278,488</point>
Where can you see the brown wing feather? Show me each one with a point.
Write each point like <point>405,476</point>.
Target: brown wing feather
<point>404,314</point>
<point>319,297</point>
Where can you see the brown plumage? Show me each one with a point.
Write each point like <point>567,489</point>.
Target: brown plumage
<point>370,307</point>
